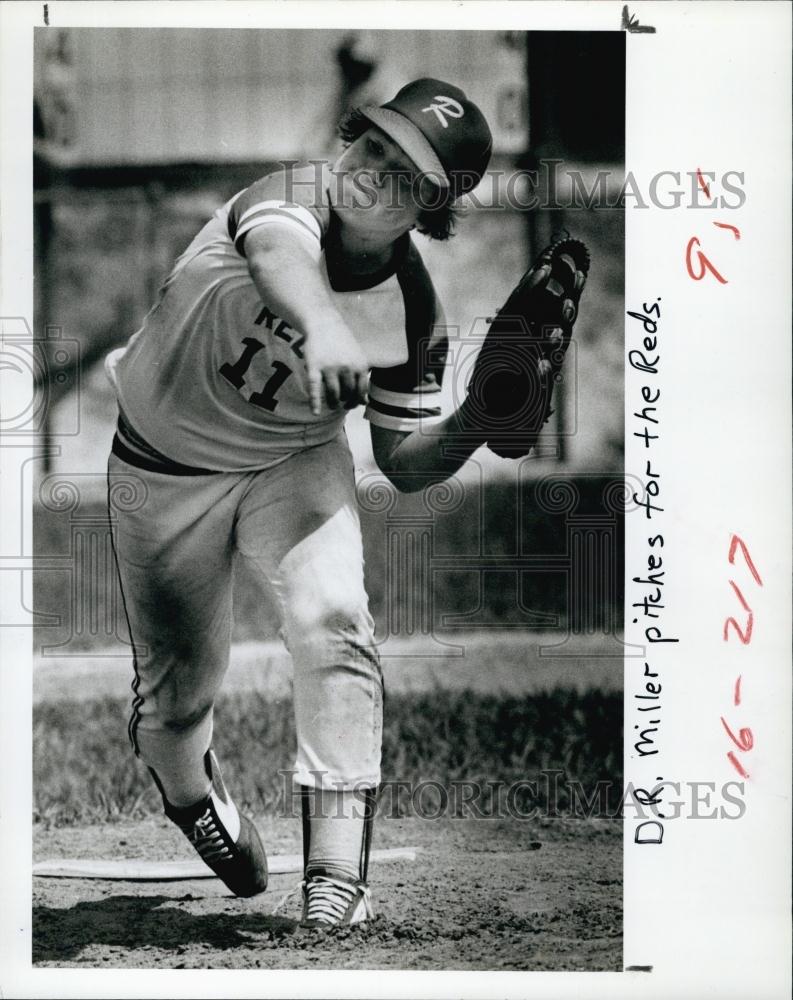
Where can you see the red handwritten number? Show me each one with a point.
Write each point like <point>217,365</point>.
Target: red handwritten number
<point>697,269</point>
<point>744,740</point>
<point>735,542</point>
<point>746,635</point>
<point>704,264</point>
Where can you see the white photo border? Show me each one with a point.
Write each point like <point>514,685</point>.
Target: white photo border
<point>708,909</point>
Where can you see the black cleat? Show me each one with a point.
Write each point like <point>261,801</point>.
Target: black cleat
<point>239,861</point>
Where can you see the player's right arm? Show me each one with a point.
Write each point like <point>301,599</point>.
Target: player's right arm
<point>287,276</point>
<point>278,224</point>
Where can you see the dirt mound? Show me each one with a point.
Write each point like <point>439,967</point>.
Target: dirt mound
<point>479,895</point>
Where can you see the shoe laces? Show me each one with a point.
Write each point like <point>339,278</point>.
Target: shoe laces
<point>328,899</point>
<point>208,839</point>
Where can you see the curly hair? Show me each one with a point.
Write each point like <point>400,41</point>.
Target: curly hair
<point>437,222</point>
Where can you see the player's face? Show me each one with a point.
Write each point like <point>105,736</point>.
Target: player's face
<point>375,188</point>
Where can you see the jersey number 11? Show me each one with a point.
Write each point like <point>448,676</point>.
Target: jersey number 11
<point>235,375</point>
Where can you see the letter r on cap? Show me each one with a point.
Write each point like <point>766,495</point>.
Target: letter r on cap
<point>447,106</point>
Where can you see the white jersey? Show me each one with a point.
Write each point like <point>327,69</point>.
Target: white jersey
<point>215,380</point>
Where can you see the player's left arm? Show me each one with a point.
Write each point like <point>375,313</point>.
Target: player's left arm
<point>414,443</point>
<point>414,459</point>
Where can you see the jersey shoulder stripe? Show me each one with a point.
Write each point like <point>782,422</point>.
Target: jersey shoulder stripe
<point>274,213</point>
<point>403,412</point>
<point>294,196</point>
<point>416,400</point>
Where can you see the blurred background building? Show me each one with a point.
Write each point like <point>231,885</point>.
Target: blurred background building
<point>139,134</point>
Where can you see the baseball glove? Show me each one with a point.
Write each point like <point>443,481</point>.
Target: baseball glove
<point>510,390</point>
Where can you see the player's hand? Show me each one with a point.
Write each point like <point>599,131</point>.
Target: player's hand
<point>337,368</point>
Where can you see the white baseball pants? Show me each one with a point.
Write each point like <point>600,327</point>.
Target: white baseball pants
<point>297,525</point>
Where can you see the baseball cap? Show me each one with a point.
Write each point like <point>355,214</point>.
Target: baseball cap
<point>444,133</point>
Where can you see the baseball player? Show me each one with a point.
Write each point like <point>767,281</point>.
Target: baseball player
<point>302,297</point>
